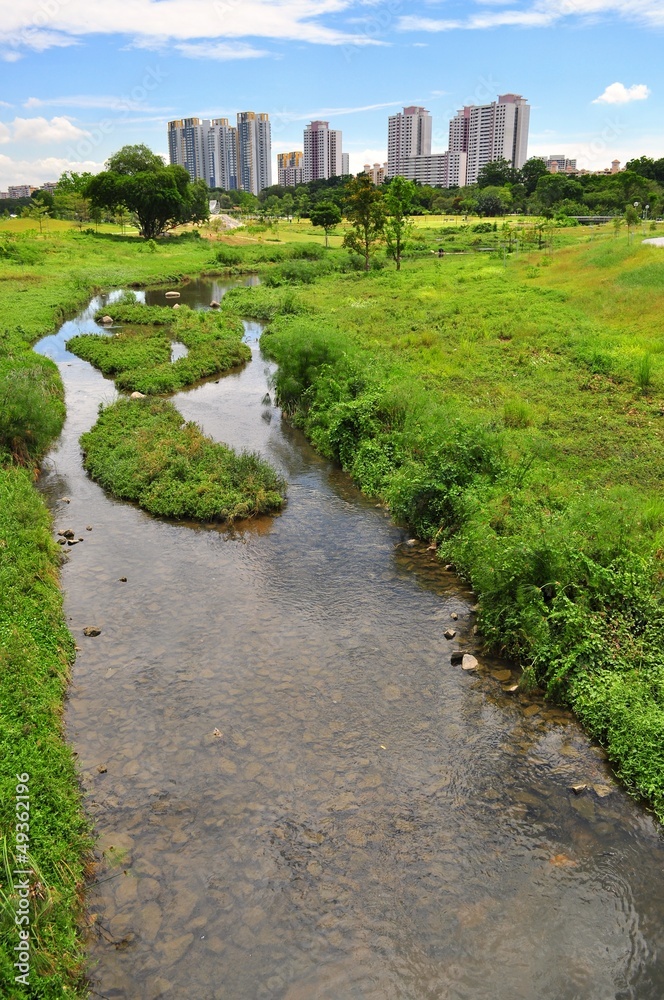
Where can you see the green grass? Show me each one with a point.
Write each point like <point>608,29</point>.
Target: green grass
<point>36,652</point>
<point>138,357</point>
<point>517,421</point>
<point>141,450</point>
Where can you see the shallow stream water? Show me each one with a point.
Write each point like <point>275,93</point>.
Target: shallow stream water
<point>297,796</point>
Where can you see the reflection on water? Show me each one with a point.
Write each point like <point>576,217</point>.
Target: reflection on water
<point>298,795</point>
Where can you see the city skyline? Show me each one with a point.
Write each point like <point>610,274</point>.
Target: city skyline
<point>162,61</point>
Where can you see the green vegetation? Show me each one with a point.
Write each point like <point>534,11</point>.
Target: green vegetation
<point>513,416</point>
<point>139,357</point>
<point>137,181</point>
<point>142,450</point>
<point>42,281</point>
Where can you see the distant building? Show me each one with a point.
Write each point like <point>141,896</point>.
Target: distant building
<point>557,163</point>
<point>49,187</point>
<point>254,138</point>
<point>498,131</point>
<point>323,154</point>
<point>187,146</point>
<point>4,194</point>
<point>223,155</point>
<point>378,172</point>
<point>291,169</point>
<point>408,136</point>
<point>432,169</point>
<point>345,164</point>
<point>20,190</point>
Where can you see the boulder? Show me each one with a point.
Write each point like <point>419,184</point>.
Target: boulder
<point>214,304</point>
<point>137,395</point>
<point>176,305</point>
<point>91,630</point>
<point>172,295</point>
<point>107,320</point>
<point>449,633</point>
<point>469,663</point>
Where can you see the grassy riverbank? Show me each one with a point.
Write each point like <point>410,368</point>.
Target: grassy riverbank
<point>42,281</point>
<point>515,415</point>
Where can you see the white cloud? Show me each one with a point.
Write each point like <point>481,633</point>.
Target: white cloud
<point>109,102</point>
<point>58,129</point>
<point>30,24</point>
<point>39,171</point>
<point>542,14</point>
<point>5,133</point>
<point>219,50</point>
<point>618,93</point>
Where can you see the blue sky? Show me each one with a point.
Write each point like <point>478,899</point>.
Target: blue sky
<point>81,78</point>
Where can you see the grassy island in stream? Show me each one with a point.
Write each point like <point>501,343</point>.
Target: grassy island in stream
<point>139,356</point>
<point>142,450</point>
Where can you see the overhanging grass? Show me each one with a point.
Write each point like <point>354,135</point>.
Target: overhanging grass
<point>142,450</point>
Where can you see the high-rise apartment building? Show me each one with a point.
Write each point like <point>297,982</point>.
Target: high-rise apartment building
<point>254,143</point>
<point>323,154</point>
<point>345,165</point>
<point>408,135</point>
<point>291,168</point>
<point>187,146</point>
<point>497,131</point>
<point>222,155</point>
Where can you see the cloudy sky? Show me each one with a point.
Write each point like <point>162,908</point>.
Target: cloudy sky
<point>81,78</point>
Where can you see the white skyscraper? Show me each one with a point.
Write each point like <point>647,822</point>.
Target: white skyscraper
<point>254,143</point>
<point>323,154</point>
<point>222,155</point>
<point>497,131</point>
<point>408,135</point>
<point>187,146</point>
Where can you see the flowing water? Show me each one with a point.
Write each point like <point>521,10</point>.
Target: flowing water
<point>297,796</point>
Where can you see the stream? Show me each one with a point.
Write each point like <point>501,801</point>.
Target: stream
<point>296,795</point>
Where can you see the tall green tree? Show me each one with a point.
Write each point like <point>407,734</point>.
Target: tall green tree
<point>160,197</point>
<point>365,210</point>
<point>399,201</point>
<point>326,215</point>
<point>496,174</point>
<point>530,173</point>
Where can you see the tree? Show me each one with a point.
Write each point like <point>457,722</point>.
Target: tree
<point>493,201</point>
<point>530,173</point>
<point>325,215</point>
<point>301,202</point>
<point>134,160</point>
<point>160,197</point>
<point>365,210</point>
<point>37,212</point>
<point>496,174</point>
<point>72,183</point>
<point>632,219</point>
<point>399,199</point>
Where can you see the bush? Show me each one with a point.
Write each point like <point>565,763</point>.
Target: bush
<point>31,410</point>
